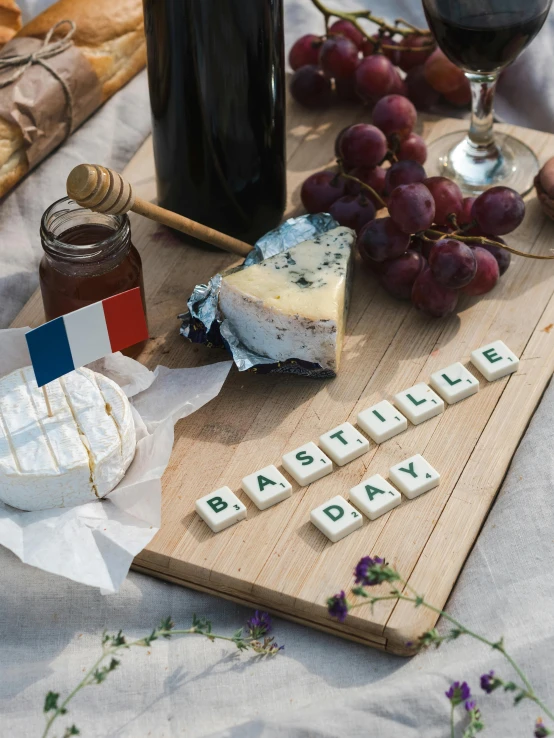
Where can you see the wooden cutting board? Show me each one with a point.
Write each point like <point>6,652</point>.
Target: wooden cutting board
<point>277,560</point>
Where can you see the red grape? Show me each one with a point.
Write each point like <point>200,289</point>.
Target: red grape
<point>378,42</point>
<point>412,207</point>
<point>502,256</point>
<point>321,190</point>
<point>419,90</point>
<point>499,210</point>
<point>305,50</point>
<point>413,148</point>
<point>310,87</point>
<point>372,176</point>
<point>399,86</point>
<point>465,216</point>
<point>375,77</point>
<point>345,28</point>
<point>447,196</point>
<point>487,273</point>
<point>453,263</point>
<point>410,59</point>
<point>442,75</point>
<point>338,57</point>
<point>353,211</point>
<point>398,275</point>
<point>403,172</point>
<point>395,114</point>
<point>346,90</point>
<point>369,47</point>
<point>461,96</point>
<point>338,140</point>
<point>363,145</point>
<point>381,239</point>
<point>433,298</point>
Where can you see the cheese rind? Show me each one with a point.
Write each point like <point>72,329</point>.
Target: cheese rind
<point>78,455</point>
<point>293,305</point>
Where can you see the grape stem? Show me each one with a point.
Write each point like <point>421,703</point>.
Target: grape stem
<point>425,235</point>
<point>365,186</point>
<point>415,29</point>
<point>356,15</point>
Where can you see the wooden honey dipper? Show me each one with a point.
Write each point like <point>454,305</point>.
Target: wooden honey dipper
<point>105,191</point>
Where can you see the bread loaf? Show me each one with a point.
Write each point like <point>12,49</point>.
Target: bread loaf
<point>109,34</point>
<point>10,20</point>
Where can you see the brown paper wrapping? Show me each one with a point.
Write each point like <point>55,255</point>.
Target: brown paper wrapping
<point>36,103</point>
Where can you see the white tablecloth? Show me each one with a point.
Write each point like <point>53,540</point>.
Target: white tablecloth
<point>50,628</point>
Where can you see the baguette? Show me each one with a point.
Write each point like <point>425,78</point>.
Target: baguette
<point>10,20</point>
<point>109,34</point>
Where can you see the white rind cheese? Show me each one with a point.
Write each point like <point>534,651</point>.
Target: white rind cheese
<point>78,455</point>
<point>293,305</point>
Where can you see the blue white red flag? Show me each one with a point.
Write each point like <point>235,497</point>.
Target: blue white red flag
<point>67,343</point>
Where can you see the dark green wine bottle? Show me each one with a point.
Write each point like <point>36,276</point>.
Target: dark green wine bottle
<point>217,91</point>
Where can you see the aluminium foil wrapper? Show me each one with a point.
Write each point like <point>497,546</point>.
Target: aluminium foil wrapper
<point>203,323</point>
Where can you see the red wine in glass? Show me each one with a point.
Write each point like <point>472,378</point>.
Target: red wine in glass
<point>483,41</point>
<point>482,37</point>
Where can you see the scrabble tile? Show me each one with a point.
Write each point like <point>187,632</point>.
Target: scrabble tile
<point>414,476</point>
<point>344,444</point>
<point>220,509</point>
<point>336,518</point>
<point>307,464</point>
<point>267,487</point>
<point>454,383</point>
<point>375,496</point>
<point>382,421</point>
<point>419,403</point>
<point>495,360</point>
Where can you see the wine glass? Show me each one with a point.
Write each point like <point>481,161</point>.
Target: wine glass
<point>482,37</point>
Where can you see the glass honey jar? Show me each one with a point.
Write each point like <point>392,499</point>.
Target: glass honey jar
<point>88,256</point>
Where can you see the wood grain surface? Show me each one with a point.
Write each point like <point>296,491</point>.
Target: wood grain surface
<point>277,559</point>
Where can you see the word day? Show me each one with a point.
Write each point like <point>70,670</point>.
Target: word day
<point>375,496</point>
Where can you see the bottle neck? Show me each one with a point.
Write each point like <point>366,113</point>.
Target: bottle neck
<point>78,239</point>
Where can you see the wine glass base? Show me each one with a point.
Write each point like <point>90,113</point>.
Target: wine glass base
<point>513,165</point>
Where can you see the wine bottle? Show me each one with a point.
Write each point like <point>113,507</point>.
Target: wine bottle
<point>216,80</point>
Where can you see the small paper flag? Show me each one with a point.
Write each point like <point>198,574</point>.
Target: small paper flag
<point>67,343</point>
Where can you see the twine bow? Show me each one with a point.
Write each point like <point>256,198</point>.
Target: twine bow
<point>21,63</point>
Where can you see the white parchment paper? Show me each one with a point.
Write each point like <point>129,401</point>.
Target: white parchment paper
<point>95,543</point>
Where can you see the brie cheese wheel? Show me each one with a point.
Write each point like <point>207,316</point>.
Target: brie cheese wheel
<point>293,305</point>
<point>78,455</point>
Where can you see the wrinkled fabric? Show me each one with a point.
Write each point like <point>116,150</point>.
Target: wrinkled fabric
<point>320,686</point>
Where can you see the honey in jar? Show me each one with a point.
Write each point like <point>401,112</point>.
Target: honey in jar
<point>88,256</point>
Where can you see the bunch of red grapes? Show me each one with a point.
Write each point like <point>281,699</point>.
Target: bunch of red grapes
<point>348,65</point>
<point>435,244</point>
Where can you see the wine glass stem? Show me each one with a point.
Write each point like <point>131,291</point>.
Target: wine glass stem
<point>481,136</point>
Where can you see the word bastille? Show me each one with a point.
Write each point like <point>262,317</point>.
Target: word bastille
<point>374,496</point>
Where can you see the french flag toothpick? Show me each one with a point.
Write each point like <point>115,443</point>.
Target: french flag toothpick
<point>67,343</point>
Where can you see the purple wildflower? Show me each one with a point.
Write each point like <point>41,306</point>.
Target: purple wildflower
<point>259,624</point>
<point>338,607</point>
<point>470,705</point>
<point>489,682</point>
<point>458,693</point>
<point>362,570</point>
<point>541,731</point>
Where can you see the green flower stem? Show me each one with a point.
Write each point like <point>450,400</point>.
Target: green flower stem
<point>452,733</point>
<point>108,651</point>
<point>354,16</point>
<point>497,646</point>
<point>83,683</point>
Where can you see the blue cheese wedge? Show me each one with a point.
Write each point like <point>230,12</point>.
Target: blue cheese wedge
<point>293,305</point>
<point>78,455</point>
